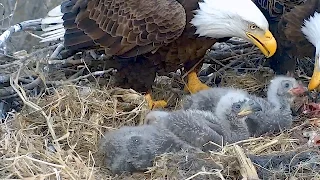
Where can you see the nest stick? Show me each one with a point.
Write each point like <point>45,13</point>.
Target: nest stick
<point>36,160</point>
<point>218,173</point>
<point>34,106</point>
<point>57,51</point>
<point>9,91</point>
<point>22,26</point>
<point>28,57</point>
<point>247,170</point>
<point>22,95</point>
<point>96,73</point>
<point>263,147</point>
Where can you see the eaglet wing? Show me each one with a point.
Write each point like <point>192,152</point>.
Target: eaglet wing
<point>291,23</point>
<point>122,27</point>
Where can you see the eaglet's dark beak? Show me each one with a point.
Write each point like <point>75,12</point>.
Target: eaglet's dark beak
<point>249,107</point>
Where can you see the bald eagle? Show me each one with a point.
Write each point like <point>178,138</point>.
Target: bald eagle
<point>157,36</point>
<point>296,26</point>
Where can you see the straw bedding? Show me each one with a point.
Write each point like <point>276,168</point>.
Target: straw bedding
<point>56,134</point>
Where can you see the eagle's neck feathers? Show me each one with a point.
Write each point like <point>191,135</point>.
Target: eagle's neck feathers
<point>311,29</point>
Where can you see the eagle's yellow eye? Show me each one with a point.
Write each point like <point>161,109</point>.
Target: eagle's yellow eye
<point>253,26</point>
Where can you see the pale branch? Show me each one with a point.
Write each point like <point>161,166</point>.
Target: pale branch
<point>29,84</point>
<point>75,79</point>
<point>6,78</point>
<point>57,51</point>
<point>29,25</point>
<point>67,61</point>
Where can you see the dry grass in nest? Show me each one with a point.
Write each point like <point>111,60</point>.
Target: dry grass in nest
<point>56,136</point>
<point>255,83</point>
<point>170,89</point>
<point>232,163</point>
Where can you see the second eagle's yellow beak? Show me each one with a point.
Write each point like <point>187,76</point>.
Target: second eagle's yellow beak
<point>315,79</point>
<point>266,42</point>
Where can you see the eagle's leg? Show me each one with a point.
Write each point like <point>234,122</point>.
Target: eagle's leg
<point>154,104</point>
<point>194,84</point>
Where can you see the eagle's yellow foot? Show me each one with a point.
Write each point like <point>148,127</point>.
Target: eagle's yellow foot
<point>155,104</point>
<point>194,84</point>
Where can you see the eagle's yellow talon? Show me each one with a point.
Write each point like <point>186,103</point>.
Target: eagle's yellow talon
<point>155,104</point>
<point>194,85</point>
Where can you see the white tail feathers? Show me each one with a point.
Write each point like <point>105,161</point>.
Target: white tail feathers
<point>52,25</point>
<point>52,28</point>
<point>52,20</point>
<point>55,11</point>
<point>53,35</point>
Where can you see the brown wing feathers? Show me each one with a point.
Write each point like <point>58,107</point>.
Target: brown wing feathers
<point>123,27</point>
<point>75,38</point>
<point>291,24</point>
<point>286,18</point>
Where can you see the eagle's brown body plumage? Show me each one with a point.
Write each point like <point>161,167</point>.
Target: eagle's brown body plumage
<point>145,37</point>
<point>286,18</point>
<point>155,33</point>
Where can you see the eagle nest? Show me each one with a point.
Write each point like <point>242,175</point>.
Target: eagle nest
<point>55,133</point>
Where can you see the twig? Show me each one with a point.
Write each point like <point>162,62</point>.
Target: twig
<point>54,55</point>
<point>36,160</point>
<point>221,69</point>
<point>6,79</point>
<point>247,170</point>
<point>48,118</point>
<point>97,73</point>
<point>263,147</point>
<point>67,61</point>
<point>22,95</point>
<point>225,56</point>
<point>8,92</point>
<point>25,25</point>
<point>28,57</point>
<point>218,173</point>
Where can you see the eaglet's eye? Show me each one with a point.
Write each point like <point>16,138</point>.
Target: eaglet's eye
<point>253,26</point>
<point>237,106</point>
<point>286,85</point>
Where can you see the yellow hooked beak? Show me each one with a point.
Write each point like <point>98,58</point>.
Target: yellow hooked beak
<point>266,43</point>
<point>315,79</point>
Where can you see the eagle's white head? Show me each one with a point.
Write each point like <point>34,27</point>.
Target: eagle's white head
<point>234,18</point>
<point>311,29</point>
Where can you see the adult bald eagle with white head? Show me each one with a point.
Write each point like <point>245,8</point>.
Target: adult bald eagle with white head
<point>296,26</point>
<point>157,36</point>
